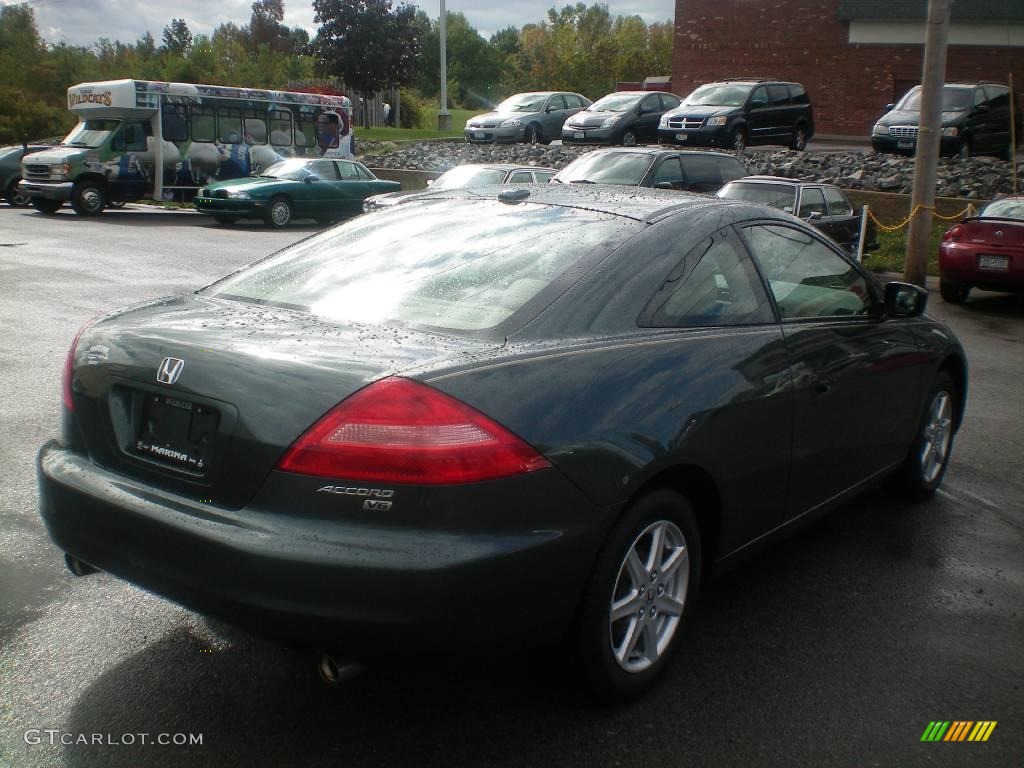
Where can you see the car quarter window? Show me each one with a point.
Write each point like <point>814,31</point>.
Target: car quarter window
<point>807,278</point>
<point>838,205</point>
<point>364,173</point>
<point>812,201</point>
<point>799,95</point>
<point>521,177</point>
<point>543,177</point>
<point>714,285</point>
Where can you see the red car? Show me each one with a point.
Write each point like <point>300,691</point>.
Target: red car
<point>984,251</point>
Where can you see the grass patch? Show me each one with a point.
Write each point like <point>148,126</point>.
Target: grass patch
<point>459,117</point>
<point>893,250</point>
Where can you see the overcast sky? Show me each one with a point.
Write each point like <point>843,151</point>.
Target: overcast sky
<point>82,22</point>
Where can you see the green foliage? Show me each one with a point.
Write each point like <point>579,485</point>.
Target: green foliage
<point>369,44</point>
<point>417,110</point>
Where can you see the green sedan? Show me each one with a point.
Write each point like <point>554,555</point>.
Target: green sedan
<point>296,188</point>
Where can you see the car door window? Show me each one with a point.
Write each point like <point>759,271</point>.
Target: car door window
<point>703,173</point>
<point>670,170</point>
<point>573,101</point>
<point>759,94</point>
<point>556,102</point>
<point>348,171</point>
<point>543,177</point>
<point>778,96</point>
<point>838,205</point>
<point>521,177</point>
<point>812,201</point>
<point>980,97</point>
<point>807,278</point>
<point>720,287</point>
<point>325,169</point>
<point>668,101</point>
<point>650,104</point>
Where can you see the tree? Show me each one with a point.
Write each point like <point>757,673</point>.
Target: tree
<point>177,38</point>
<point>369,44</point>
<point>265,25</point>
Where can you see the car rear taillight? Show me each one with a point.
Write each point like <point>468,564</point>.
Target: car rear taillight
<point>953,234</point>
<point>400,431</point>
<point>69,362</point>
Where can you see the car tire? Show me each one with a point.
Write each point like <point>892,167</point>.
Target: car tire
<point>966,149</point>
<point>953,292</point>
<point>279,212</point>
<point>629,138</point>
<point>88,198</point>
<point>738,140</point>
<point>47,206</point>
<point>606,650</point>
<point>799,142</point>
<point>225,220</point>
<point>532,134</point>
<point>15,197</point>
<point>921,473</point>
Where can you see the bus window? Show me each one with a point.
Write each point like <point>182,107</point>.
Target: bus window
<point>204,126</point>
<point>255,127</point>
<point>175,123</point>
<point>130,138</point>
<point>280,128</point>
<point>305,133</point>
<point>229,122</point>
<point>328,130</point>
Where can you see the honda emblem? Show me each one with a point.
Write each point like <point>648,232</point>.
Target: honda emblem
<point>169,370</point>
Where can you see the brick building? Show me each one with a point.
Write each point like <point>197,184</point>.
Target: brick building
<point>854,56</point>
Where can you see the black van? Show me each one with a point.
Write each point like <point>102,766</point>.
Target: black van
<point>975,121</point>
<point>741,112</point>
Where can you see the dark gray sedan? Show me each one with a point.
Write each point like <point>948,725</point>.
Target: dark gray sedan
<point>695,171</point>
<point>496,418</point>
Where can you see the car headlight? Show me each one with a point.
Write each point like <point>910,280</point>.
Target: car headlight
<point>720,120</point>
<point>951,130</point>
<point>880,130</point>
<point>60,171</point>
<point>663,123</point>
<point>513,123</point>
<point>610,121</point>
<point>239,195</point>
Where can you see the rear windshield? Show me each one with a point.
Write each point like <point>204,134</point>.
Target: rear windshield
<point>450,265</point>
<point>781,196</point>
<point>468,176</point>
<point>607,168</point>
<point>1010,208</point>
<point>953,99</point>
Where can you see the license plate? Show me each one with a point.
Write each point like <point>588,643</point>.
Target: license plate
<point>177,432</point>
<point>579,135</point>
<point>993,262</point>
<point>680,137</point>
<point>479,135</point>
<point>905,144</point>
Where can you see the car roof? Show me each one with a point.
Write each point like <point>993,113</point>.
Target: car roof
<point>654,151</point>
<point>502,167</point>
<point>780,180</point>
<point>636,203</point>
<point>751,81</point>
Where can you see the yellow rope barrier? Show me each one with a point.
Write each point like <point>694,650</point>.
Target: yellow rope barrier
<point>969,210</point>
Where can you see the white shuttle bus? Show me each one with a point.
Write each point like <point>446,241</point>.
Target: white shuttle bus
<point>141,139</point>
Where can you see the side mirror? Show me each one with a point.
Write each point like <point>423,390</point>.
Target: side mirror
<point>549,108</point>
<point>758,103</point>
<point>787,209</point>
<point>311,178</point>
<point>814,215</point>
<point>888,107</point>
<point>664,185</point>
<point>905,300</point>
<point>981,109</point>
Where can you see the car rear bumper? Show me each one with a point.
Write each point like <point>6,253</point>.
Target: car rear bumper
<point>331,583</point>
<point>959,262</point>
<point>47,190</point>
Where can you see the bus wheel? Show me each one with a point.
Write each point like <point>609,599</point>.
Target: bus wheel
<point>88,199</point>
<point>46,206</point>
<point>279,213</point>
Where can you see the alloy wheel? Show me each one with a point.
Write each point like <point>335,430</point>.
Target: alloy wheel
<point>938,433</point>
<point>649,596</point>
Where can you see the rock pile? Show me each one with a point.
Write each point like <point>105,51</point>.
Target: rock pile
<point>978,178</point>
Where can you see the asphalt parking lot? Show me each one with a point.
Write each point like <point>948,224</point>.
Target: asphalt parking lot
<point>837,647</point>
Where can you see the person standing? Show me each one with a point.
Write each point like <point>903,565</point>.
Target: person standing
<point>387,113</point>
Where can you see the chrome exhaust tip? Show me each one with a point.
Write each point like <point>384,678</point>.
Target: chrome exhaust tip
<point>334,670</point>
<point>78,567</point>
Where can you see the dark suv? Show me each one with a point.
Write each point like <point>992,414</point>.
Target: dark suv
<point>737,113</point>
<point>975,120</point>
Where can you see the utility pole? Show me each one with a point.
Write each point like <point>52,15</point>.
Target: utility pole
<point>922,202</point>
<point>444,119</point>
